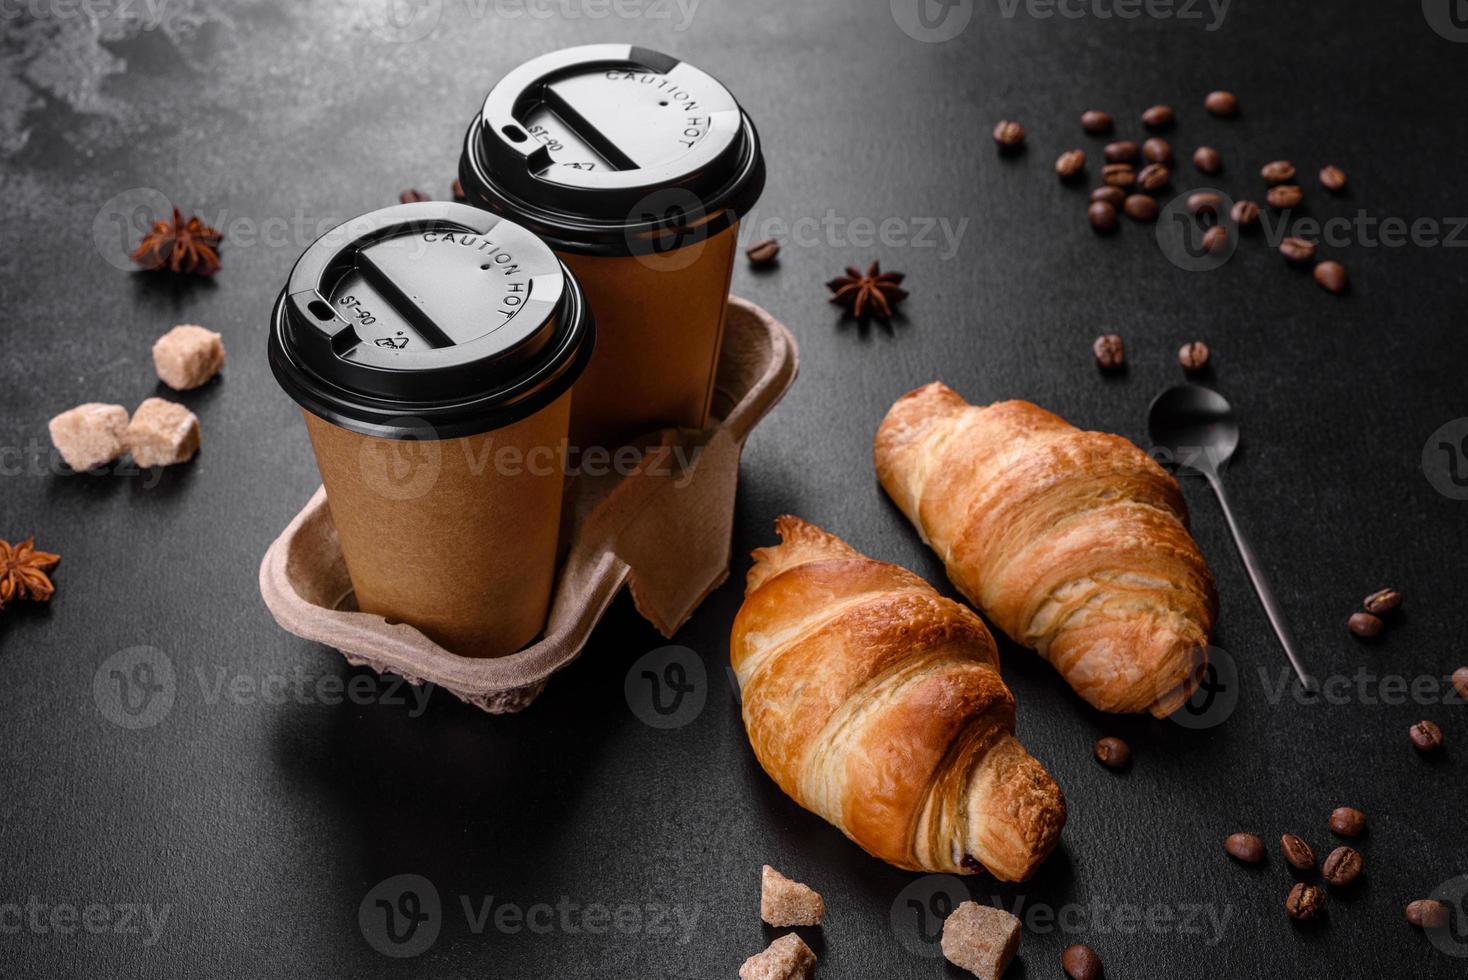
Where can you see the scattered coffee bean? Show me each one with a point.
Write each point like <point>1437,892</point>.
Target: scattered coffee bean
<point>1331,276</point>
<point>1207,160</point>
<point>1383,602</point>
<point>1222,104</point>
<point>1215,239</point>
<point>1080,962</point>
<point>1111,195</point>
<point>411,196</point>
<point>762,253</point>
<point>1140,207</point>
<point>1426,736</point>
<point>1332,178</point>
<point>1245,214</point>
<point>1364,625</point>
<point>1109,352</point>
<point>1305,902</point>
<point>1244,847</point>
<point>1204,203</point>
<point>1284,196</point>
<point>1009,133</point>
<point>1153,177</point>
<point>1112,752</point>
<point>1193,357</point>
<point>1096,121</point>
<point>1157,150</point>
<point>1102,215</point>
<point>1341,866</point>
<point>1297,852</point>
<point>1347,821</point>
<point>1297,250</point>
<point>1427,913</point>
<point>457,190</point>
<point>1122,151</point>
<point>1159,117</point>
<point>1278,172</point>
<point>1070,163</point>
<point>1118,174</point>
<point>1460,682</point>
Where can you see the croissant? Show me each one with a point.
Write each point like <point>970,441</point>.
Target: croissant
<point>877,704</point>
<point>1073,543</point>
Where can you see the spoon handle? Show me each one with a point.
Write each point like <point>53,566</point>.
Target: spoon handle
<point>1261,586</point>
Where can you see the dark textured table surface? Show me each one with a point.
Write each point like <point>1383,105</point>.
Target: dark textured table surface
<point>240,831</point>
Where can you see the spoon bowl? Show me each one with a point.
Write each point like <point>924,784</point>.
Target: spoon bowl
<point>1196,425</point>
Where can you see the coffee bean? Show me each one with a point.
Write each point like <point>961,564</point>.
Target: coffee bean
<point>1080,962</point>
<point>1297,250</point>
<point>1112,752</point>
<point>762,253</point>
<point>1157,150</point>
<point>1305,902</point>
<point>1284,195</point>
<point>1009,133</point>
<point>1204,203</point>
<point>1096,121</point>
<point>1245,214</point>
<point>1222,104</point>
<point>1102,215</point>
<point>1140,207</point>
<point>1118,174</point>
<point>1297,852</point>
<point>1277,172</point>
<point>1426,736</point>
<point>1364,625</point>
<point>1207,160</point>
<point>1427,913</point>
<point>1460,682</point>
<point>1194,356</point>
<point>1347,821</point>
<point>1215,239</point>
<point>1122,151</point>
<point>1244,847</point>
<point>1070,163</point>
<point>1111,195</point>
<point>1159,117</point>
<point>411,196</point>
<point>1109,352</point>
<point>1332,178</point>
<point>1331,276</point>
<point>1153,177</point>
<point>1383,602</point>
<point>1341,866</point>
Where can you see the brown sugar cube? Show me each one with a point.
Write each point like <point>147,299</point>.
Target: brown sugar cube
<point>981,939</point>
<point>90,435</point>
<point>162,433</point>
<point>783,902</point>
<point>787,958</point>
<point>187,356</point>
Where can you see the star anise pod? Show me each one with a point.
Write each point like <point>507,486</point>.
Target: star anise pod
<point>23,572</point>
<point>180,246</point>
<point>874,294</point>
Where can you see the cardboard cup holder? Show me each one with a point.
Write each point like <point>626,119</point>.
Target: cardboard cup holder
<point>663,529</point>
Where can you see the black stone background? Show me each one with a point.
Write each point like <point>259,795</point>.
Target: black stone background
<point>262,827</point>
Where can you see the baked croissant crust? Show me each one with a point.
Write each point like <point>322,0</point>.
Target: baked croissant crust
<point>876,703</point>
<point>1073,543</point>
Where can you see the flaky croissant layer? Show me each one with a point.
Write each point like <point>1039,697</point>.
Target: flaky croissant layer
<point>1074,543</point>
<point>877,703</point>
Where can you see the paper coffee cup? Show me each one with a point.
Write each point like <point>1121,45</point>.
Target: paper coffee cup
<point>636,168</point>
<point>432,349</point>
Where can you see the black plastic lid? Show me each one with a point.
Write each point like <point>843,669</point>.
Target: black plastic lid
<point>610,149</point>
<point>428,320</point>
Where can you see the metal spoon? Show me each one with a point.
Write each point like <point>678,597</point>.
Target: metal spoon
<point>1198,427</point>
